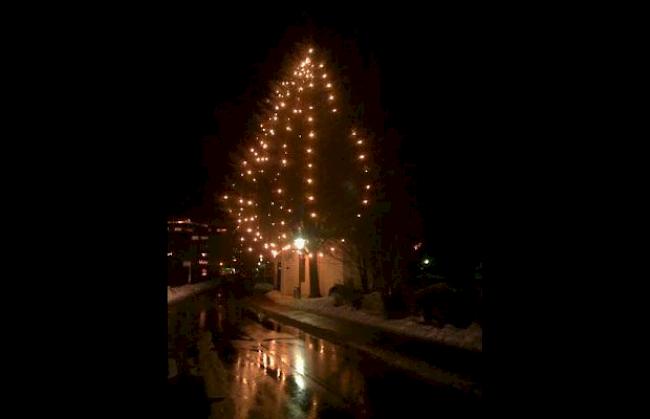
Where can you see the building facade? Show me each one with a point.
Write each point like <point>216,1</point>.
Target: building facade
<point>195,251</point>
<point>292,271</point>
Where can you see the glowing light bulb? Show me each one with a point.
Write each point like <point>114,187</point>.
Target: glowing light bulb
<point>331,249</point>
<point>324,76</point>
<point>310,51</point>
<point>282,104</point>
<point>249,230</point>
<point>225,197</point>
<point>328,85</point>
<point>279,190</point>
<point>365,201</point>
<point>331,97</point>
<point>321,66</point>
<point>367,186</point>
<point>309,181</point>
<point>284,162</point>
<point>309,150</point>
<point>242,239</point>
<point>311,198</point>
<point>310,119</point>
<point>309,165</point>
<point>250,249</point>
<point>361,157</point>
<point>360,142</point>
<point>334,110</point>
<point>358,215</point>
<point>312,135</point>
<point>313,215</point>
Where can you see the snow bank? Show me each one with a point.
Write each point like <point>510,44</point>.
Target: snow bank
<point>470,338</point>
<point>176,294</point>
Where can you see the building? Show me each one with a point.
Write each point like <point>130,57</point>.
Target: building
<point>292,270</point>
<point>195,251</point>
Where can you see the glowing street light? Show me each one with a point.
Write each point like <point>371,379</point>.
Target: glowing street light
<point>299,243</point>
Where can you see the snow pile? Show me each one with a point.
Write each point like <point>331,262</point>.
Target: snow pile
<point>470,338</point>
<point>372,303</point>
<point>176,294</point>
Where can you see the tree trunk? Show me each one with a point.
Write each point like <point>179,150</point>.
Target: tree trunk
<point>363,273</point>
<point>314,284</point>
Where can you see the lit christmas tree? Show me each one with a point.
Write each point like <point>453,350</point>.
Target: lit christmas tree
<point>304,180</point>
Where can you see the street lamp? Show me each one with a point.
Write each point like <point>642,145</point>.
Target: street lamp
<point>299,243</point>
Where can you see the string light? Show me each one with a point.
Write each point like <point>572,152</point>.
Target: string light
<point>313,215</point>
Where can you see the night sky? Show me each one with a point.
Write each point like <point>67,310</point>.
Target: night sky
<point>431,80</point>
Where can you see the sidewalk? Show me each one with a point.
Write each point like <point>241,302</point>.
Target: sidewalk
<point>434,362</point>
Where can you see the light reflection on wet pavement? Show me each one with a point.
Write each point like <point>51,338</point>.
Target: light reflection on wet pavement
<point>276,371</point>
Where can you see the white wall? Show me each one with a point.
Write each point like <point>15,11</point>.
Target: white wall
<point>330,272</point>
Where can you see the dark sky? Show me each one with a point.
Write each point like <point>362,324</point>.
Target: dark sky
<point>433,79</point>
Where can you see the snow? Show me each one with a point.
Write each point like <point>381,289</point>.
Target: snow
<point>470,338</point>
<point>176,294</point>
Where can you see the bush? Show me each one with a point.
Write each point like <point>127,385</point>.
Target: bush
<point>262,288</point>
<point>443,304</point>
<point>345,294</point>
<point>373,302</point>
<point>396,302</point>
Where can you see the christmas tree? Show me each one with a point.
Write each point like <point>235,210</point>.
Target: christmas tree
<point>304,178</point>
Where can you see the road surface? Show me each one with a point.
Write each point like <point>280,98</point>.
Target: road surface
<point>270,370</point>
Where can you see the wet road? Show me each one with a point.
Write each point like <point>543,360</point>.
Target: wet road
<point>269,370</point>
